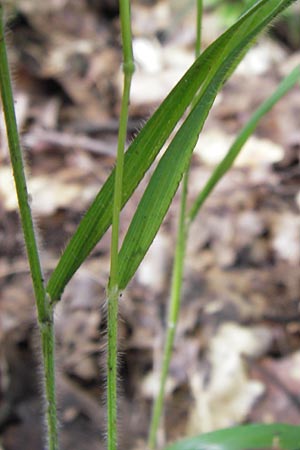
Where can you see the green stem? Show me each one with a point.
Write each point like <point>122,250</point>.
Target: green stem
<point>199,27</point>
<point>173,313</point>
<point>177,277</point>
<point>44,310</point>
<point>48,352</point>
<point>113,289</point>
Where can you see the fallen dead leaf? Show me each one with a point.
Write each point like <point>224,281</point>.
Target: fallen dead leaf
<point>286,240</point>
<point>226,395</point>
<point>213,145</point>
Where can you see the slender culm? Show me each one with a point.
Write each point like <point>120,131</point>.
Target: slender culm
<point>113,285</point>
<point>177,276</point>
<point>44,309</point>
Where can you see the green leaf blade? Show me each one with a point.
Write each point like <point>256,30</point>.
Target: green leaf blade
<point>288,82</point>
<point>138,159</point>
<point>245,437</point>
<point>166,178</point>
<point>150,140</point>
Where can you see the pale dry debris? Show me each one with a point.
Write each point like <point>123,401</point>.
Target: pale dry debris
<point>158,69</point>
<point>214,144</point>
<point>229,395</point>
<point>46,193</point>
<point>148,21</point>
<point>262,58</point>
<point>286,241</point>
<point>147,54</point>
<point>153,270</point>
<point>151,384</point>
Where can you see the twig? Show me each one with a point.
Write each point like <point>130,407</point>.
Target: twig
<point>40,136</point>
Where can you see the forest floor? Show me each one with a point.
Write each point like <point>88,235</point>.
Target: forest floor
<point>237,351</point>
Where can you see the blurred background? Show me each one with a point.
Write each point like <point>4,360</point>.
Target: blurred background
<point>237,355</point>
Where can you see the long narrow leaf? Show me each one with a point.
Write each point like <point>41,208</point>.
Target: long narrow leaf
<point>166,178</point>
<point>245,437</point>
<point>149,142</point>
<point>227,162</point>
<point>138,159</point>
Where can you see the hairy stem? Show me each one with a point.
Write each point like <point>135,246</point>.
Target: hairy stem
<point>177,277</point>
<point>113,289</point>
<point>48,352</point>
<point>44,309</point>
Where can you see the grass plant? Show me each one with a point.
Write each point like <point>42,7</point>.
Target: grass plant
<point>195,93</point>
